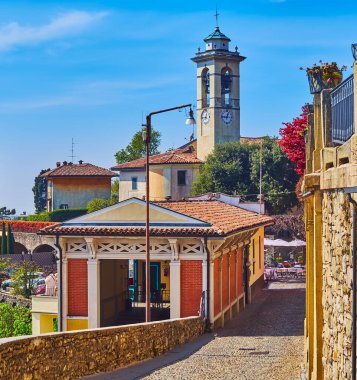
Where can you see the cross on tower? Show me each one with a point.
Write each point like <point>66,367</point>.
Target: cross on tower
<point>216,15</point>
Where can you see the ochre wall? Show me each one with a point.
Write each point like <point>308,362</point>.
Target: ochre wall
<point>77,324</point>
<point>157,190</point>
<point>77,287</point>
<point>72,355</point>
<point>77,192</point>
<point>191,287</point>
<point>259,272</point>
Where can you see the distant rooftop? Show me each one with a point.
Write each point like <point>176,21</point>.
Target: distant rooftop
<point>68,169</point>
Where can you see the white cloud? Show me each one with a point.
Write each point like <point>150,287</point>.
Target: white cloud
<point>13,34</point>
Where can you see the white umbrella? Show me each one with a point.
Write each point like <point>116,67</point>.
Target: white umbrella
<point>283,243</point>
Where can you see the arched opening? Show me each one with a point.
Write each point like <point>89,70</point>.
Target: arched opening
<point>205,87</point>
<point>226,86</point>
<point>44,256</point>
<point>19,248</point>
<point>43,248</point>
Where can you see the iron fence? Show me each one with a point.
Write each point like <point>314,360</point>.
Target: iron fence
<point>342,111</point>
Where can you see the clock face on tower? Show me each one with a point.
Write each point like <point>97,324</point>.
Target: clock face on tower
<point>205,117</point>
<point>227,117</point>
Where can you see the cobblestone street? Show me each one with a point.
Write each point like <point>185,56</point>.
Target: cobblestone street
<point>264,342</point>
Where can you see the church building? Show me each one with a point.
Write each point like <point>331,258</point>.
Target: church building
<point>218,121</point>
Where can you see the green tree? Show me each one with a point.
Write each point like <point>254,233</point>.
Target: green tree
<point>3,240</point>
<point>14,321</point>
<point>279,177</point>
<point>233,168</point>
<point>40,192</point>
<point>99,203</point>
<point>136,147</point>
<point>24,275</point>
<point>115,190</point>
<point>10,240</point>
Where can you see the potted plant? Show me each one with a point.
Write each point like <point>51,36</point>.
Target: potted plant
<point>300,260</point>
<point>324,76</point>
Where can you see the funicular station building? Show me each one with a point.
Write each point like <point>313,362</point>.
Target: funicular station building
<point>206,257</point>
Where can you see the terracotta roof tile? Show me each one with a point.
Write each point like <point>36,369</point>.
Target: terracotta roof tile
<point>176,156</point>
<point>222,216</point>
<point>224,219</point>
<point>79,170</point>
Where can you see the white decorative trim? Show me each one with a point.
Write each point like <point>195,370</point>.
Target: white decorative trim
<point>76,247</point>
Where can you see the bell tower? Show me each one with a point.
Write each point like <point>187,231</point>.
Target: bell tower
<point>218,82</point>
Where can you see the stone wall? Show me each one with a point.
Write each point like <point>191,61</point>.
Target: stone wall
<point>14,300</point>
<point>75,354</point>
<point>337,285</point>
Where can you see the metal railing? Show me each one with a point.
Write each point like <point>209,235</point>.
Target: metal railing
<point>158,298</point>
<point>342,111</point>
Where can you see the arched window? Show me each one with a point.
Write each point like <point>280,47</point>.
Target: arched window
<point>226,87</point>
<point>205,88</point>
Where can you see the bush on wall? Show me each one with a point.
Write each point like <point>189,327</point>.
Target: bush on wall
<point>58,215</point>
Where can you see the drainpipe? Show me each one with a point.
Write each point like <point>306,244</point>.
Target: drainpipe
<point>60,281</point>
<point>354,285</point>
<point>208,280</point>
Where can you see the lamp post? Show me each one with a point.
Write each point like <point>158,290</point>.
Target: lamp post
<point>147,138</point>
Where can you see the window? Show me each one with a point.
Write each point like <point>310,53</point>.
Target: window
<point>226,82</point>
<point>205,88</point>
<point>134,183</point>
<point>181,177</point>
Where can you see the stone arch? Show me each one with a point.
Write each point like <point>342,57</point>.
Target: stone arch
<point>19,248</point>
<point>44,248</point>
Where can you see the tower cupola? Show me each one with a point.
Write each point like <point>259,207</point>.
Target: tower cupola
<point>217,41</point>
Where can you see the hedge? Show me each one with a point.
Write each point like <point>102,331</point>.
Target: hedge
<point>57,215</point>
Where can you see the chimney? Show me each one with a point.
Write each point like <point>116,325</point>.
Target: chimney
<point>58,164</point>
<point>80,162</point>
<point>64,162</point>
<point>70,163</point>
<point>168,198</point>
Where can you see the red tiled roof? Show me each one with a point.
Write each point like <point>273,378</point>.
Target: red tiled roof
<point>224,219</point>
<point>176,156</point>
<point>79,170</point>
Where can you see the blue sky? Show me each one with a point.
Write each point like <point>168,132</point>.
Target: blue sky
<point>91,69</point>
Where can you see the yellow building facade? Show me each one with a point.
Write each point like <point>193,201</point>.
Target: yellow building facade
<point>330,185</point>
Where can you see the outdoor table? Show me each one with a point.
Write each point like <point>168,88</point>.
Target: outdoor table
<point>270,273</point>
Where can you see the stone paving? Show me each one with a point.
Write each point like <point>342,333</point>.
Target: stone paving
<point>264,342</point>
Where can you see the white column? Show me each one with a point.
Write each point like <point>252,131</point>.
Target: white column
<point>64,292</point>
<point>93,293</point>
<point>204,283</point>
<point>229,283</point>
<point>175,289</point>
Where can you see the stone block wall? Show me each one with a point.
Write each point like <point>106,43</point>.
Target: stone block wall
<point>71,355</point>
<point>337,285</point>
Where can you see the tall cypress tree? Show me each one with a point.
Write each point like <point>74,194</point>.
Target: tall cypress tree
<point>10,240</point>
<point>3,240</point>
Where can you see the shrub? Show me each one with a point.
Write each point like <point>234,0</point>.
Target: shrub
<point>99,203</point>
<point>24,275</point>
<point>60,215</point>
<point>14,321</point>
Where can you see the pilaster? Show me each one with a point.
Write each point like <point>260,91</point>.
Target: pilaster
<point>93,293</point>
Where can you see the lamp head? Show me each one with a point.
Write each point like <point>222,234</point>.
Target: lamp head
<point>190,119</point>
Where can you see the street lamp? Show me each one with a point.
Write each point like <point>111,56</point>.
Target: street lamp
<point>147,138</point>
<point>354,51</point>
